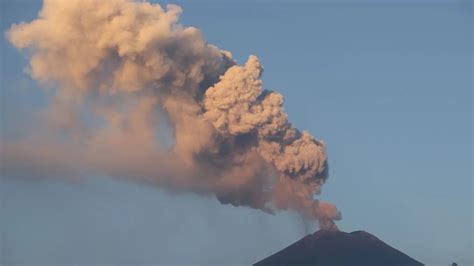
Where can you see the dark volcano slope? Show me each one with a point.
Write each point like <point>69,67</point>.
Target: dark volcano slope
<point>338,248</point>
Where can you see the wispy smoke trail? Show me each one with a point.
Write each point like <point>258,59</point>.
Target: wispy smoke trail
<point>117,67</point>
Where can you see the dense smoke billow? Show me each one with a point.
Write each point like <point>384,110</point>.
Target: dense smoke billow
<point>121,72</point>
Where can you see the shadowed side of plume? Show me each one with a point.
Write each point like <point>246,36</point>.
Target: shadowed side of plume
<point>338,248</point>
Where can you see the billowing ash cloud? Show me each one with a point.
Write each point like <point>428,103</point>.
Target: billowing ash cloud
<point>119,68</point>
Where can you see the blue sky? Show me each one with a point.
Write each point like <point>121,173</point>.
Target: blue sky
<point>387,86</point>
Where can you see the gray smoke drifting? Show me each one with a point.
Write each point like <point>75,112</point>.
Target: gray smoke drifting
<point>121,72</point>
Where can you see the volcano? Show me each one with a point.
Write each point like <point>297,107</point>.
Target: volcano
<point>338,248</point>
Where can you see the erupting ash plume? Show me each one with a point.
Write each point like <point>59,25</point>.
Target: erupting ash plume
<point>119,68</point>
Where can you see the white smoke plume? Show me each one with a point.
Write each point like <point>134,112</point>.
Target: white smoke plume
<point>118,67</point>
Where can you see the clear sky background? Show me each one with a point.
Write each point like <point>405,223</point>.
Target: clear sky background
<point>387,86</point>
